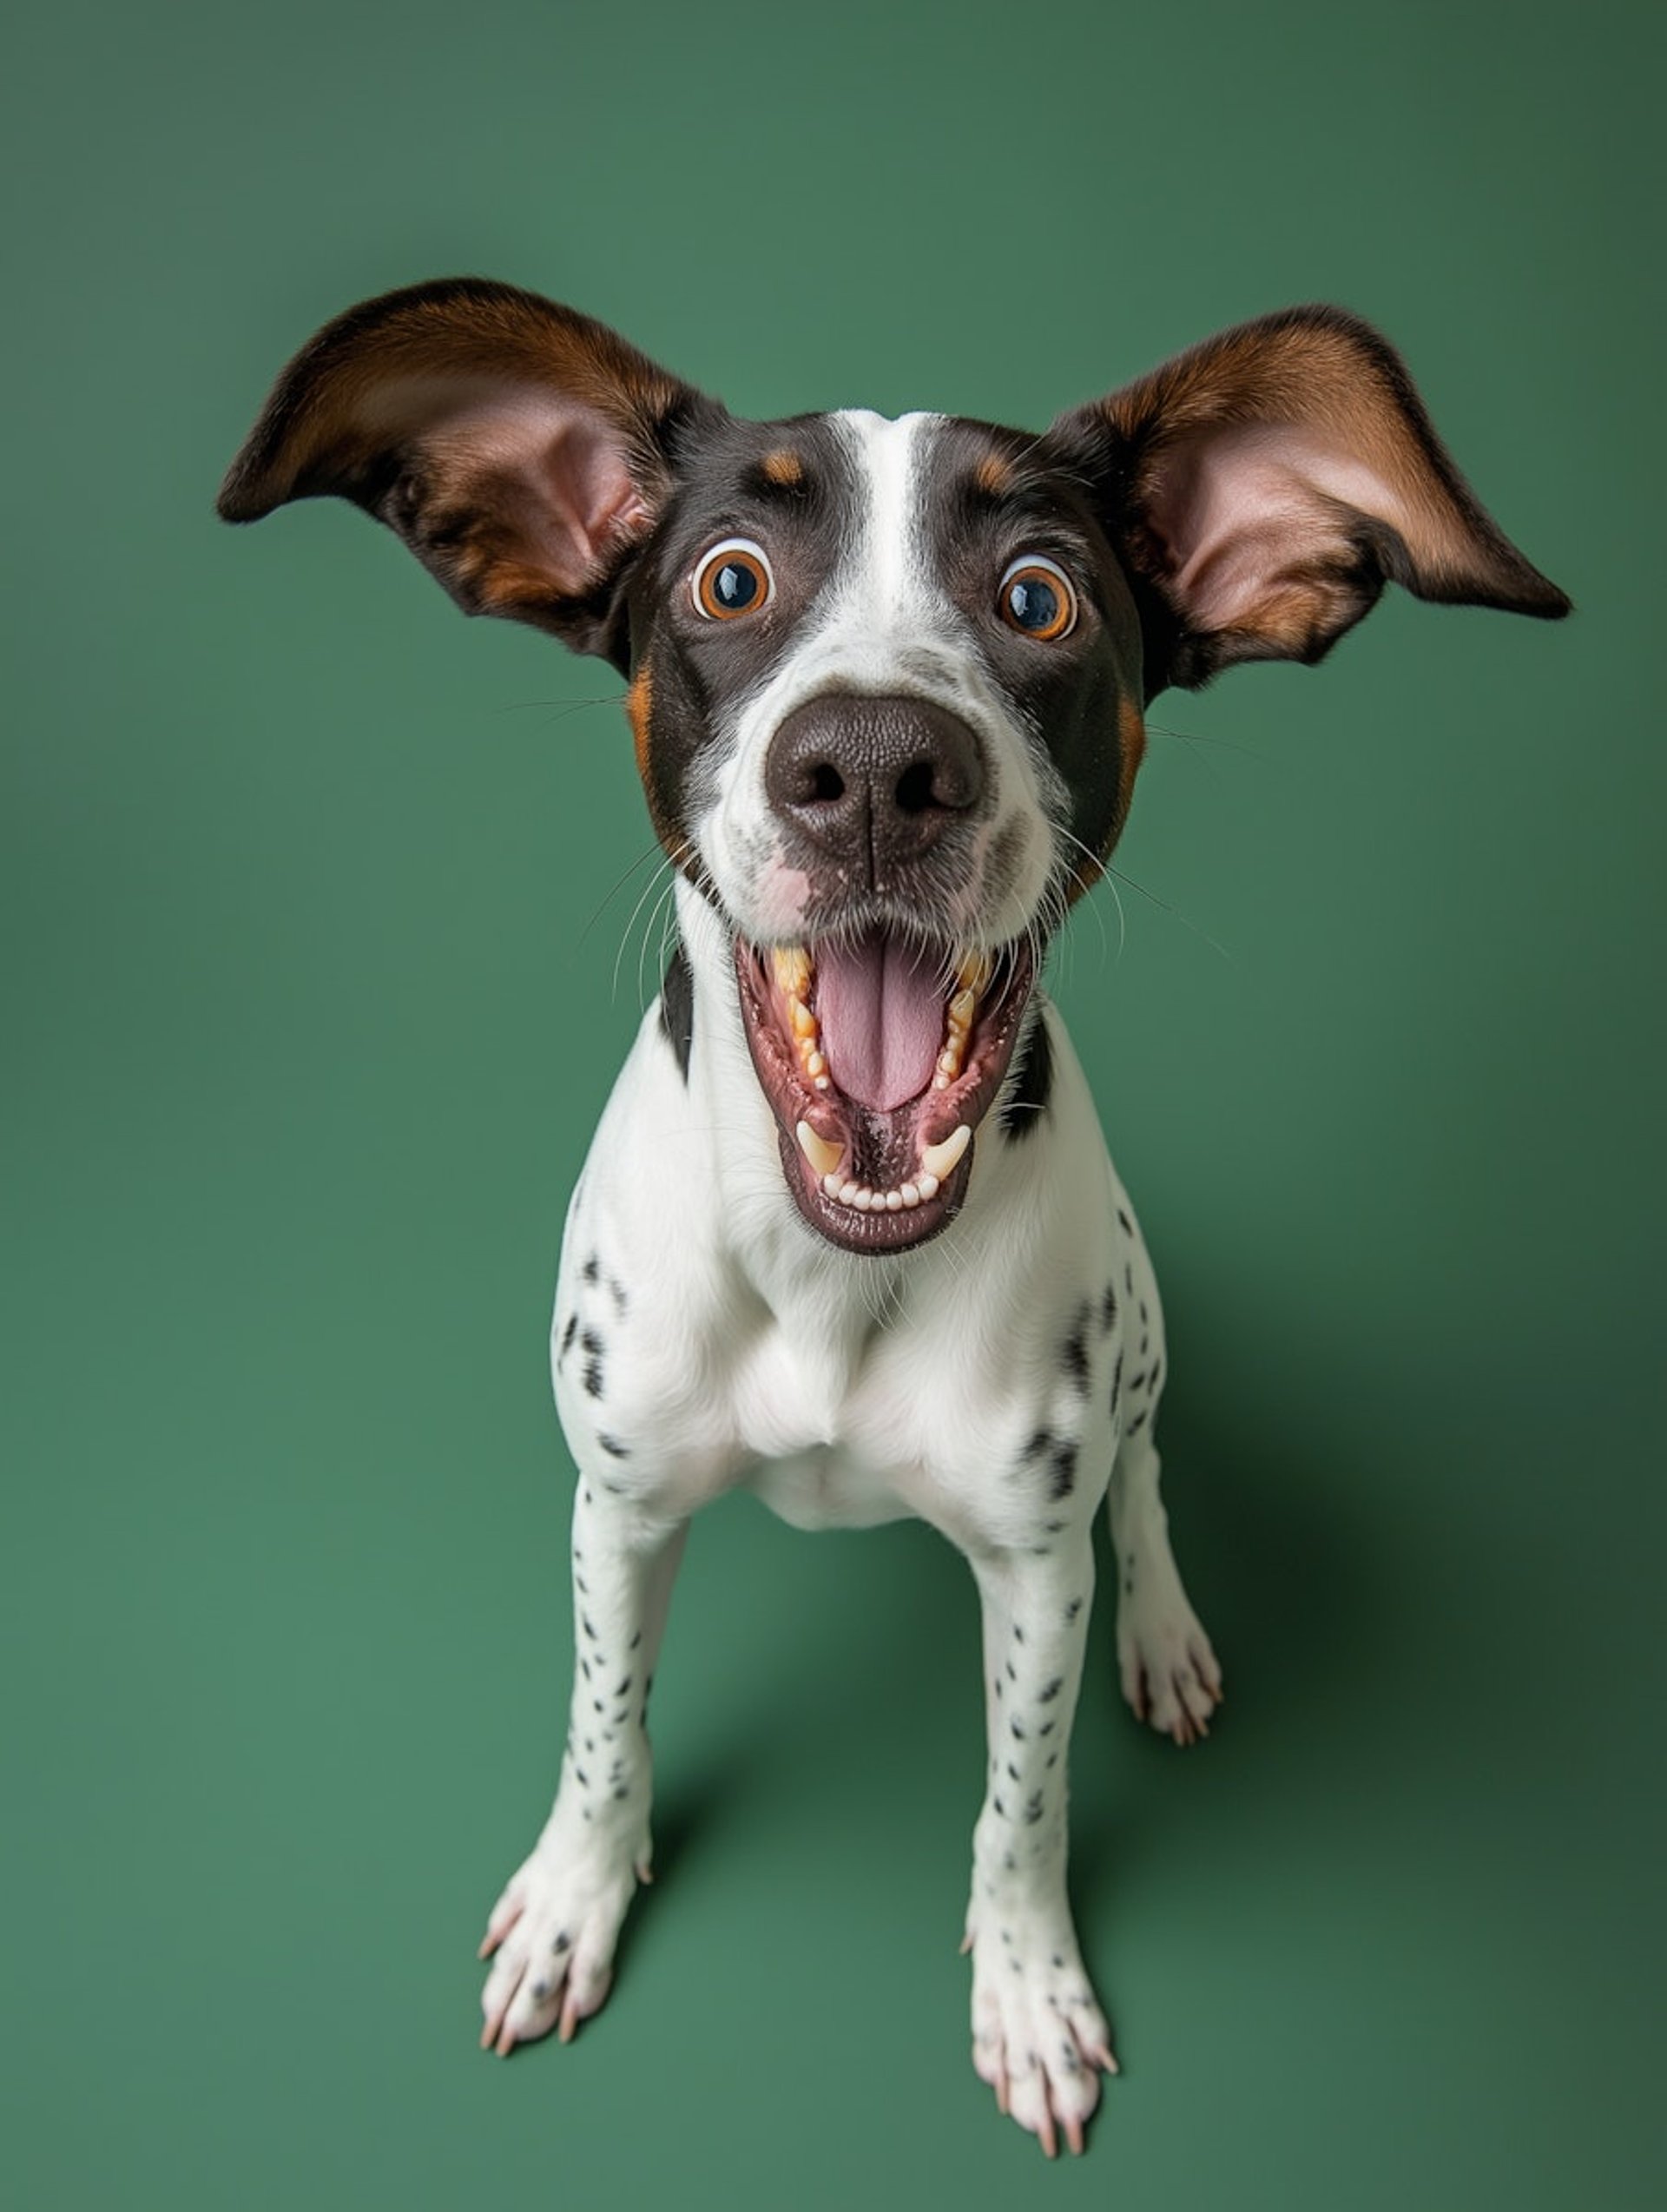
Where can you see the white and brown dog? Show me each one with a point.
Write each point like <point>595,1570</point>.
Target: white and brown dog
<point>848,1235</point>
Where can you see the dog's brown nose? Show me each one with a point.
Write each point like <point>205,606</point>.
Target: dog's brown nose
<point>873,781</point>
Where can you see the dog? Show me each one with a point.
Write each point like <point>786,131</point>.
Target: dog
<point>848,1235</point>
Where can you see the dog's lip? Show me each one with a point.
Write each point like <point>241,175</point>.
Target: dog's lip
<point>898,1137</point>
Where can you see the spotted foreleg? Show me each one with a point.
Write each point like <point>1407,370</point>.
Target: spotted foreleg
<point>1039,2037</point>
<point>555,1926</point>
<point>1169,1673</point>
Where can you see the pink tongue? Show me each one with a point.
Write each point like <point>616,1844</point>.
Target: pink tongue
<point>881,1010</point>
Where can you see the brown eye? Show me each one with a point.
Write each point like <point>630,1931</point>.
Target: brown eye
<point>733,579</point>
<point>1037,600</point>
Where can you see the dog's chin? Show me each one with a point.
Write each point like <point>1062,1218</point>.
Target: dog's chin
<point>880,1055</point>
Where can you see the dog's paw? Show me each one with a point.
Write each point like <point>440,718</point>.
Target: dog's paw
<point>1170,1676</point>
<point>1038,2037</point>
<point>553,1931</point>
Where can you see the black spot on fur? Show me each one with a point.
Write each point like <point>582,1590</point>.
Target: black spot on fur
<point>1108,1309</point>
<point>591,1344</point>
<point>1136,1424</point>
<point>1062,1477</point>
<point>1027,1102</point>
<point>1040,1444</point>
<point>563,1942</point>
<point>1127,1225</point>
<point>1072,1610</point>
<point>677,1011</point>
<point>1049,1691</point>
<point>616,1292</point>
<point>568,1335</point>
<point>612,1445</point>
<point>592,1269</point>
<point>1033,1809</point>
<point>1073,1357</point>
<point>1117,1385</point>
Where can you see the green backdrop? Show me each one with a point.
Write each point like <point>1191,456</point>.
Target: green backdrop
<point>321,956</point>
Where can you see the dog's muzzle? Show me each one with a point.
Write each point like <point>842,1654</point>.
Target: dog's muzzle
<point>880,1041</point>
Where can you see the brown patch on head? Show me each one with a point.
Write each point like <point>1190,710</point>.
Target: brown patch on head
<point>1131,751</point>
<point>994,474</point>
<point>639,706</point>
<point>784,467</point>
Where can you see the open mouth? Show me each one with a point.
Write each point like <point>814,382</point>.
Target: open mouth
<point>879,1055</point>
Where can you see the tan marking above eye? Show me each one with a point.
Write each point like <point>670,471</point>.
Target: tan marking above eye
<point>784,466</point>
<point>993,474</point>
<point>1036,599</point>
<point>732,580</point>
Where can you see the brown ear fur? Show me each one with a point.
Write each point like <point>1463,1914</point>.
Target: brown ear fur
<point>520,449</point>
<point>1264,485</point>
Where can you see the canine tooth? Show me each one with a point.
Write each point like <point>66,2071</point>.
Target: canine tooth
<point>962,1008</point>
<point>910,1195</point>
<point>942,1159</point>
<point>927,1185</point>
<point>974,972</point>
<point>822,1156</point>
<point>792,965</point>
<point>831,1184</point>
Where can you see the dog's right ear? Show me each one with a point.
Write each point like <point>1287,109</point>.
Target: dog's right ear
<point>522,450</point>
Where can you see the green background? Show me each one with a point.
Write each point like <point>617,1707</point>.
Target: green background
<point>318,965</point>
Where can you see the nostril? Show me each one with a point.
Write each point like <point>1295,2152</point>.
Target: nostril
<point>826,782</point>
<point>915,791</point>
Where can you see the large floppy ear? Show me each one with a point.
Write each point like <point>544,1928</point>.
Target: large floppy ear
<point>1264,486</point>
<point>520,450</point>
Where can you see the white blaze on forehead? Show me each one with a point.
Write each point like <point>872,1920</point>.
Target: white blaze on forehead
<point>882,623</point>
<point>887,590</point>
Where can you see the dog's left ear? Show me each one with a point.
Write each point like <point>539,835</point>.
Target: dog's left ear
<point>1263,487</point>
<point>520,450</point>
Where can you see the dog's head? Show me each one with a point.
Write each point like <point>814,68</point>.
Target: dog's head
<point>887,677</point>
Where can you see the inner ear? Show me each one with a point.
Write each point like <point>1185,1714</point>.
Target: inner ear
<point>520,450</point>
<point>1264,487</point>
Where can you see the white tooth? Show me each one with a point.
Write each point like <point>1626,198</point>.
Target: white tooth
<point>894,1201</point>
<point>940,1082</point>
<point>910,1196</point>
<point>821,1082</point>
<point>942,1159</point>
<point>847,1194</point>
<point>961,1008</point>
<point>927,1185</point>
<point>822,1156</point>
<point>864,1198</point>
<point>831,1185</point>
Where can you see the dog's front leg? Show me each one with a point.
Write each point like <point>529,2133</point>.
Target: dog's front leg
<point>555,1927</point>
<point>1039,2037</point>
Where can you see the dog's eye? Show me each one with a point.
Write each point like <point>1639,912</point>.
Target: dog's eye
<point>1036,598</point>
<point>734,579</point>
